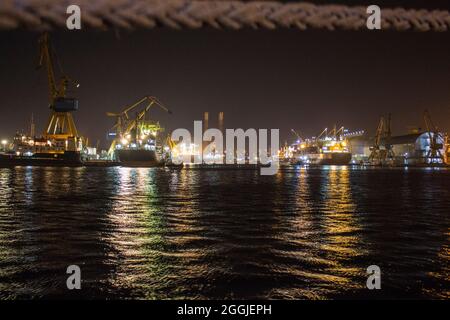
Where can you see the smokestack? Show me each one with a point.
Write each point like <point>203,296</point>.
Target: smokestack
<point>205,121</point>
<point>221,122</point>
<point>32,126</point>
<point>205,127</point>
<point>221,128</point>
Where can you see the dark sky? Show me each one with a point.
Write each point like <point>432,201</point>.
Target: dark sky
<point>260,78</point>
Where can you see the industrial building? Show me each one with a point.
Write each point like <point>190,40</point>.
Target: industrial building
<point>409,149</point>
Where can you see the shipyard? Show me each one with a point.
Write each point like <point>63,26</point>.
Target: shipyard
<point>213,152</point>
<point>137,140</point>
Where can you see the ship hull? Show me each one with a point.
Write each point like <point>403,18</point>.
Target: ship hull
<point>338,158</point>
<point>138,158</point>
<point>66,159</point>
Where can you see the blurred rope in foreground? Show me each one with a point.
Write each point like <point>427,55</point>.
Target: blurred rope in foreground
<point>178,14</point>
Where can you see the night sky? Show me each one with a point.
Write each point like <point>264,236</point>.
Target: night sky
<point>284,79</point>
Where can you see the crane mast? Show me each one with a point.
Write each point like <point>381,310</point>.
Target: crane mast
<point>45,58</point>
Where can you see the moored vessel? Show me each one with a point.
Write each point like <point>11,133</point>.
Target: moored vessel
<point>328,158</point>
<point>138,158</point>
<point>326,149</point>
<point>64,159</point>
<point>60,144</point>
<point>137,141</point>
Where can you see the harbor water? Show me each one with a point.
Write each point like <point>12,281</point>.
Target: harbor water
<point>158,233</point>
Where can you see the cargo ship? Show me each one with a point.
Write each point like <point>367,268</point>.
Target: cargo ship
<point>317,156</point>
<point>141,146</point>
<point>66,159</point>
<point>139,156</point>
<point>137,141</point>
<point>27,151</point>
<point>324,150</point>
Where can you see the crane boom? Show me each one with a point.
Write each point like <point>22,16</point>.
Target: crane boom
<point>57,92</point>
<point>376,154</point>
<point>299,137</point>
<point>379,133</point>
<point>45,57</point>
<point>325,131</point>
<point>152,102</point>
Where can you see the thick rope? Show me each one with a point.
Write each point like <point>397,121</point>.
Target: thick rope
<point>131,14</point>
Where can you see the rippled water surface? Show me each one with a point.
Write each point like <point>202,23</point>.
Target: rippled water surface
<point>168,234</point>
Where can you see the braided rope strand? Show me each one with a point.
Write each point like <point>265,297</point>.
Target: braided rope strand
<point>193,14</point>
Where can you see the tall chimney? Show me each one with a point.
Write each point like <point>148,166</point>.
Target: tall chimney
<point>205,121</point>
<point>222,129</point>
<point>32,126</point>
<point>205,127</point>
<point>221,122</point>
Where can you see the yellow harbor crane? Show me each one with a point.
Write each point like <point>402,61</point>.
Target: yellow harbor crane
<point>60,129</point>
<point>382,149</point>
<point>125,124</point>
<point>375,150</point>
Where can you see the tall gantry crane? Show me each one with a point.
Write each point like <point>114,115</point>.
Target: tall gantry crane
<point>436,152</point>
<point>61,127</point>
<point>382,150</point>
<point>129,129</point>
<point>376,154</point>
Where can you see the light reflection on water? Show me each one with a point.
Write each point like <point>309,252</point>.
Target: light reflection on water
<point>159,233</point>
